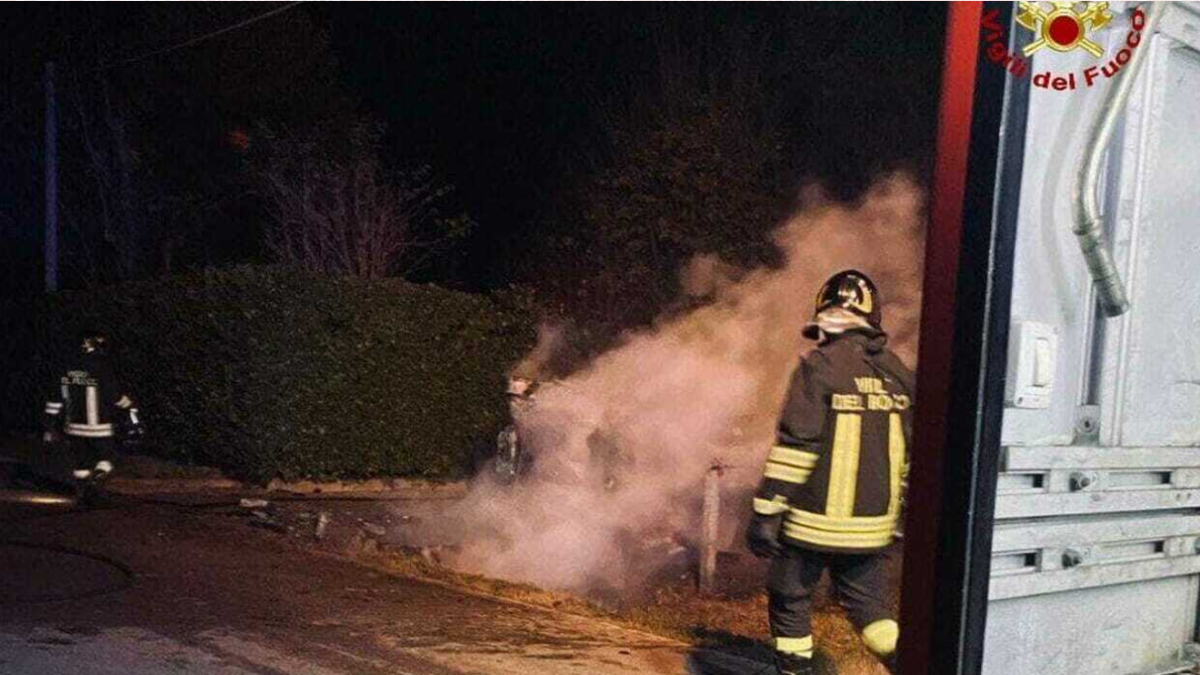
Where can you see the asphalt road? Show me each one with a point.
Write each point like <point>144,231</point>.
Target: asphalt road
<point>155,589</point>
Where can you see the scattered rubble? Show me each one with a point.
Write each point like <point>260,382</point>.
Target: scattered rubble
<point>376,531</point>
<point>265,520</point>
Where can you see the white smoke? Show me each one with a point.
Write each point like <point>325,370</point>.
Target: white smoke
<point>698,389</point>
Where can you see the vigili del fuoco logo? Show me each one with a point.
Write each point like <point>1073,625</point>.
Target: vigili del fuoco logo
<point>1061,27</point>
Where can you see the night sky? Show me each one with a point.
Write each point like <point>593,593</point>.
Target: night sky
<point>494,96</point>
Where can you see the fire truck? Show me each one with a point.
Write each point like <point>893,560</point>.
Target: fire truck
<point>1054,512</point>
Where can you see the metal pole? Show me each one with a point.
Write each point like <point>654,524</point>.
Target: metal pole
<point>711,517</point>
<point>50,241</point>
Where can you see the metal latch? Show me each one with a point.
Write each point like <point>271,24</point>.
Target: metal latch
<point>1082,480</point>
<point>1087,425</point>
<point>1074,557</point>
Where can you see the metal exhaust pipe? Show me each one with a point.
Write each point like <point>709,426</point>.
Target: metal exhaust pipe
<point>1089,224</point>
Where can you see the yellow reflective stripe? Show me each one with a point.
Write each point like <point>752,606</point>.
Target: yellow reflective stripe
<point>881,637</point>
<point>837,539</point>
<point>792,457</point>
<point>843,465</point>
<point>830,524</point>
<point>786,474</point>
<point>770,507</point>
<point>802,647</point>
<point>896,458</point>
<point>832,540</point>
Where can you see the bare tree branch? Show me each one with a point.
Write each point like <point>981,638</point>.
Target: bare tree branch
<point>337,211</point>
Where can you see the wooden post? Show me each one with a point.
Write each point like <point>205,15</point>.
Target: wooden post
<point>710,524</point>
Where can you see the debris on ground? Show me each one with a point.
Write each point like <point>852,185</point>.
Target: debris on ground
<point>374,530</point>
<point>387,535</point>
<point>361,544</point>
<point>265,520</point>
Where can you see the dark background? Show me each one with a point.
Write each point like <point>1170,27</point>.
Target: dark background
<point>506,102</point>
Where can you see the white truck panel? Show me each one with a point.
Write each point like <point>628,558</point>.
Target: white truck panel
<point>1097,546</point>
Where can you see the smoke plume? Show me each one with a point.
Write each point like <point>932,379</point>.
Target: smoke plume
<point>669,402</point>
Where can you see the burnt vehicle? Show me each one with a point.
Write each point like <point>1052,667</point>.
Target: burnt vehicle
<point>515,459</point>
<point>508,460</point>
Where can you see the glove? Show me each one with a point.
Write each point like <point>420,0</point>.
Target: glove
<point>762,536</point>
<point>130,427</point>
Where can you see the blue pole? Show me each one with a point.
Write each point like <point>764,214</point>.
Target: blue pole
<point>50,244</point>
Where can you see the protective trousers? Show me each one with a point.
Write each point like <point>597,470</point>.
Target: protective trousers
<point>861,585</point>
<point>87,453</point>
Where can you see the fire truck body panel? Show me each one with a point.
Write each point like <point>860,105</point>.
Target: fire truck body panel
<point>1096,548</point>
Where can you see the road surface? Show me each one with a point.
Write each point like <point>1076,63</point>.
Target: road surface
<point>157,589</point>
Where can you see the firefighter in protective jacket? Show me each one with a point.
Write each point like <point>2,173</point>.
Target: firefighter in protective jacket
<point>830,493</point>
<point>90,407</point>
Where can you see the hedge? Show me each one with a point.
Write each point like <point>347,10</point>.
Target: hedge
<point>269,372</point>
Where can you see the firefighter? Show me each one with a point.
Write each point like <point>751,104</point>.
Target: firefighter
<point>90,407</point>
<point>830,494</point>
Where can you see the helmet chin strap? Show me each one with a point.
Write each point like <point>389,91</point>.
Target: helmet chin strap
<point>837,320</point>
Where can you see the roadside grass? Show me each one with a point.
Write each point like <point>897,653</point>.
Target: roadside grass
<point>735,626</point>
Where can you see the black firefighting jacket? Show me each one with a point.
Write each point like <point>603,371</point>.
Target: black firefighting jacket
<point>840,456</point>
<point>88,399</point>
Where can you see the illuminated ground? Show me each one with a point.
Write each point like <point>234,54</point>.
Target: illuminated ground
<point>157,589</point>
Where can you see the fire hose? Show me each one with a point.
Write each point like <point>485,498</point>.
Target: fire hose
<point>125,573</point>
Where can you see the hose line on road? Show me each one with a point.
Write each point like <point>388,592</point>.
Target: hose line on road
<point>135,502</point>
<point>126,573</point>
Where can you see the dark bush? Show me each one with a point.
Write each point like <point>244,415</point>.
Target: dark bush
<point>269,372</point>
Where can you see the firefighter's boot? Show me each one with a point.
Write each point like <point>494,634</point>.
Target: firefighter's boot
<point>89,485</point>
<point>102,471</point>
<point>85,489</point>
<point>880,637</point>
<point>81,478</point>
<point>789,664</point>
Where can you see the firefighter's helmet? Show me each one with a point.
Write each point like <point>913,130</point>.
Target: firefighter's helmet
<point>93,341</point>
<point>850,290</point>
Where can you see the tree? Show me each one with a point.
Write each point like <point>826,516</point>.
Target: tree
<point>110,198</point>
<point>685,161</point>
<point>336,209</point>
<point>148,182</point>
